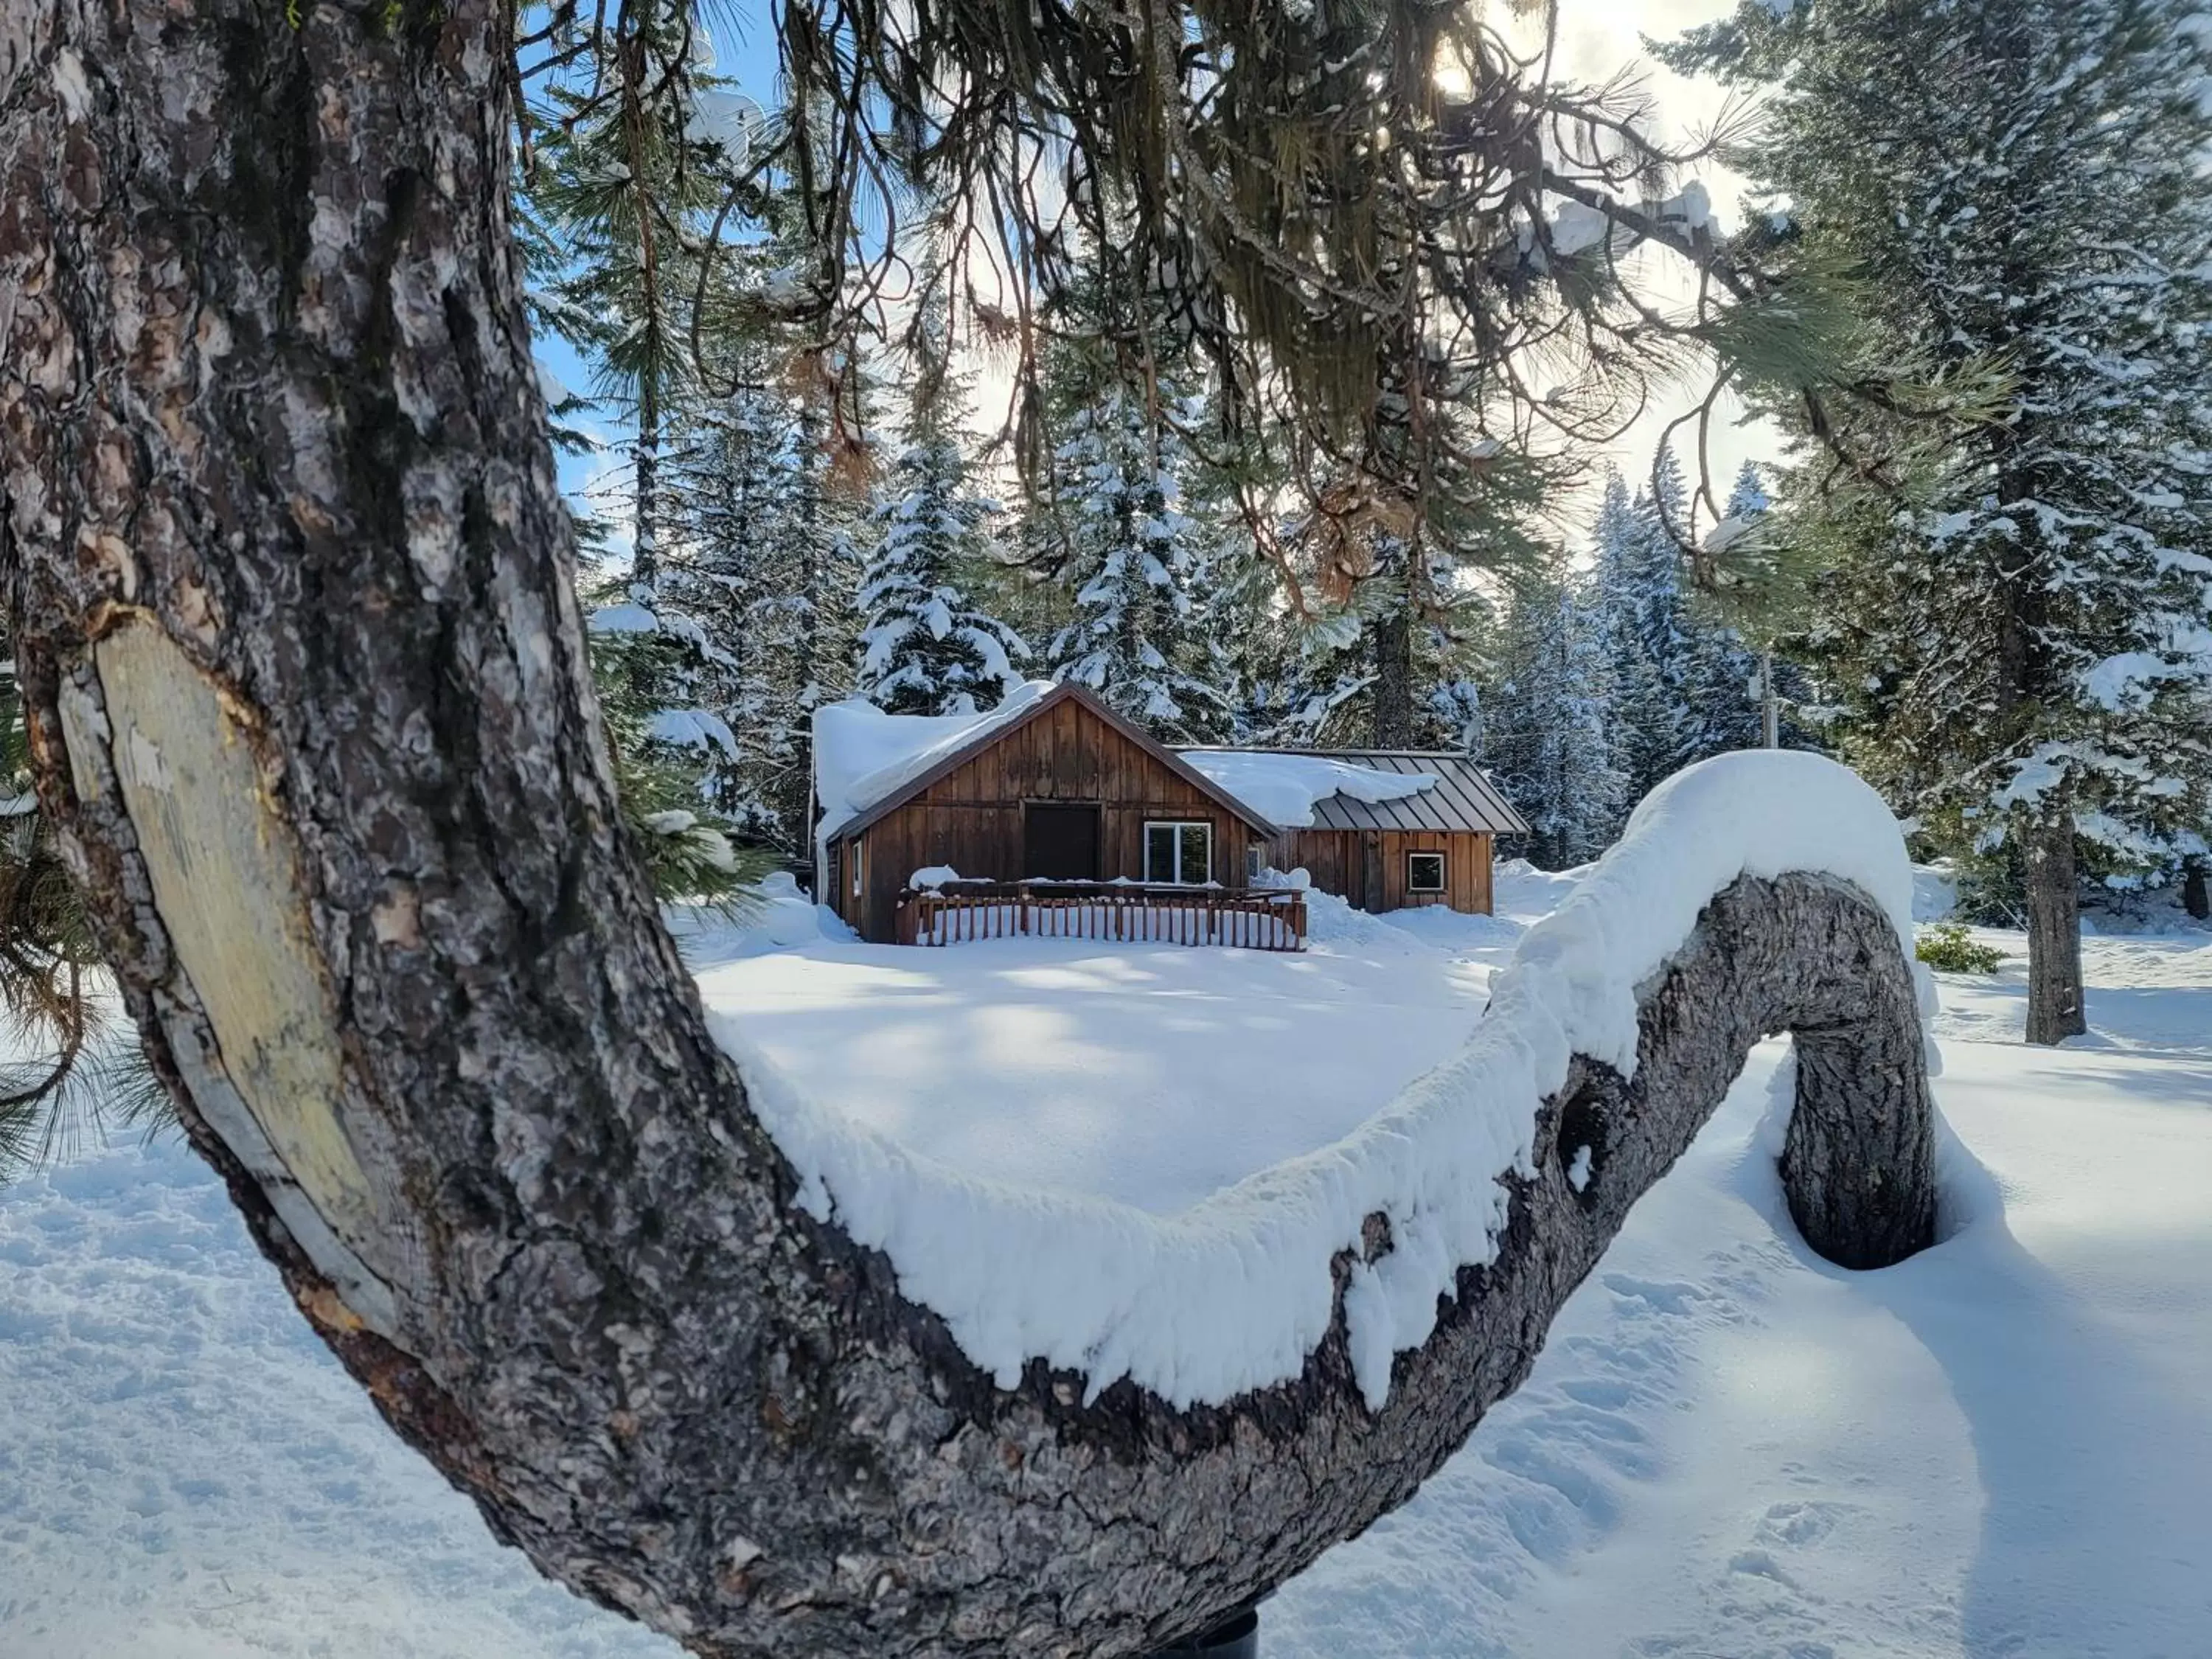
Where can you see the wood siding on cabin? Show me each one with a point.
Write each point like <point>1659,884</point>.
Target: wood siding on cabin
<point>1348,862</point>
<point>970,819</point>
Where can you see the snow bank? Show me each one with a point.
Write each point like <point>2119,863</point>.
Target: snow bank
<point>776,915</point>
<point>1333,923</point>
<point>1233,1293</point>
<point>1282,788</point>
<point>783,916</point>
<point>1518,888</point>
<point>1934,891</point>
<point>863,756</point>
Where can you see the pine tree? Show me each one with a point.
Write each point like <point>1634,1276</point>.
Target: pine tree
<point>626,180</point>
<point>1399,603</point>
<point>1547,732</point>
<point>1133,559</point>
<point>1290,680</point>
<point>1685,683</point>
<point>1640,625</point>
<point>637,146</point>
<point>732,478</point>
<point>1751,586</point>
<point>925,647</point>
<point>1721,681</point>
<point>813,622</point>
<point>2021,637</point>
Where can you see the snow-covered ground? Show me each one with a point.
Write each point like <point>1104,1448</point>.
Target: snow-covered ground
<point>2002,1448</point>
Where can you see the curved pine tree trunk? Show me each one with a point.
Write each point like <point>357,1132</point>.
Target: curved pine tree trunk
<point>292,587</point>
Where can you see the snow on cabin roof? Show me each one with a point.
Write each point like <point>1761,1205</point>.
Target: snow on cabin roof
<point>1362,789</point>
<point>863,757</point>
<point>1287,787</point>
<point>865,761</point>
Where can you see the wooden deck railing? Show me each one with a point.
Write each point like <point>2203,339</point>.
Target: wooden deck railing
<point>1261,918</point>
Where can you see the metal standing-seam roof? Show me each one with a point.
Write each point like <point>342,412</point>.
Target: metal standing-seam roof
<point>1463,799</point>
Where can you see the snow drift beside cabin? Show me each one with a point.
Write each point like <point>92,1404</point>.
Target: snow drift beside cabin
<point>1284,788</point>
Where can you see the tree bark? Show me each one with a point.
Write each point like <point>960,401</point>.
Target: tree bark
<point>2055,1008</point>
<point>1392,697</point>
<point>1770,705</point>
<point>292,588</point>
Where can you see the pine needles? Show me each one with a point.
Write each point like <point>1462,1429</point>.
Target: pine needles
<point>74,1072</point>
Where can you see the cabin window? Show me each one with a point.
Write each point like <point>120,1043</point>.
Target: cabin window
<point>1179,853</point>
<point>1424,872</point>
<point>1256,860</point>
<point>857,861</point>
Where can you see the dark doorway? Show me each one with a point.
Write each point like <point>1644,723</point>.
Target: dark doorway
<point>1061,842</point>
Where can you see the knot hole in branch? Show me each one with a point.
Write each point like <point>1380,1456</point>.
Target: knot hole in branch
<point>1582,1141</point>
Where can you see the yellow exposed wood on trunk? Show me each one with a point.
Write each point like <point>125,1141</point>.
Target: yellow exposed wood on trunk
<point>226,885</point>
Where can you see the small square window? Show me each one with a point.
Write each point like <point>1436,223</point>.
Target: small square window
<point>1424,872</point>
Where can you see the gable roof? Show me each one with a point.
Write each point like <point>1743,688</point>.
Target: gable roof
<point>1462,800</point>
<point>944,751</point>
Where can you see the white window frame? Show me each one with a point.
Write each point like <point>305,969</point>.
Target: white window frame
<point>1180,826</point>
<point>1256,860</point>
<point>1443,872</point>
<point>854,856</point>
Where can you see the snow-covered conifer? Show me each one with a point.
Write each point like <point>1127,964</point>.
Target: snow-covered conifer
<point>1546,729</point>
<point>1138,636</point>
<point>1640,624</point>
<point>2024,638</point>
<point>1684,681</point>
<point>734,473</point>
<point>926,648</point>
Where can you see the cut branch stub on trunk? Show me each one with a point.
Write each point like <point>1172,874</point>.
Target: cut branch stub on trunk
<point>292,587</point>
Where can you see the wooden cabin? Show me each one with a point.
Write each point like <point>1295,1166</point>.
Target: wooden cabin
<point>1054,814</point>
<point>1433,845</point>
<point>1052,787</point>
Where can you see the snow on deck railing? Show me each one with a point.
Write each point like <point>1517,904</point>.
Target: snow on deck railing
<point>942,913</point>
<point>1234,1292</point>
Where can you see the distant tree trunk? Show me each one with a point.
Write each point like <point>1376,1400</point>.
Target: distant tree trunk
<point>645,547</point>
<point>293,591</point>
<point>2055,1010</point>
<point>1392,695</point>
<point>2193,898</point>
<point>810,567</point>
<point>1770,705</point>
